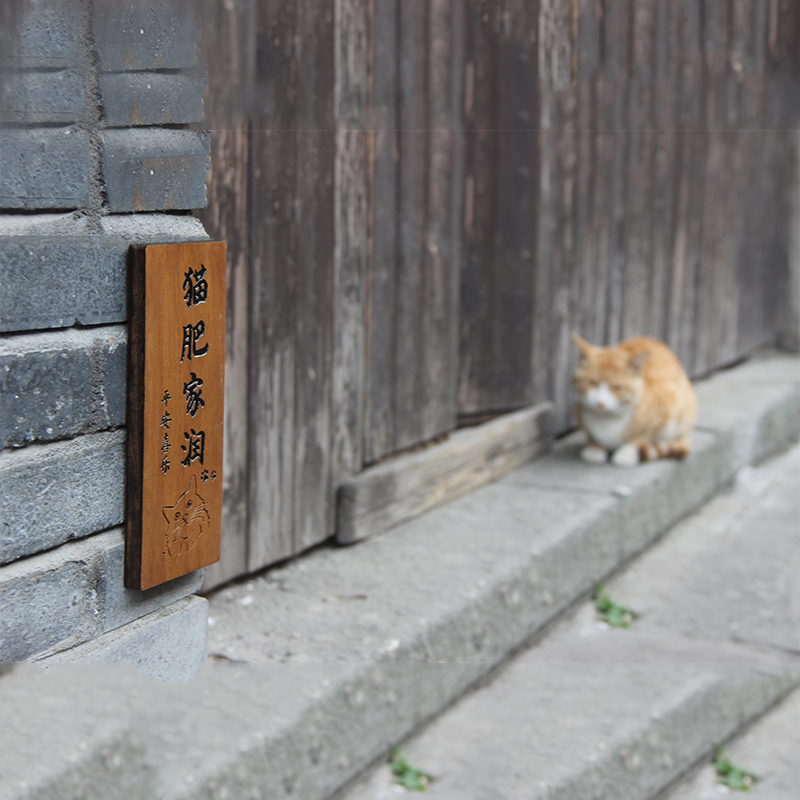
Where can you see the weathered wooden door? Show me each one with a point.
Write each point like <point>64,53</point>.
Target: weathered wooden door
<point>422,198</point>
<point>363,154</point>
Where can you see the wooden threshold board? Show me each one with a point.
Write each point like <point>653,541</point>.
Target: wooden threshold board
<point>406,486</point>
<point>176,371</point>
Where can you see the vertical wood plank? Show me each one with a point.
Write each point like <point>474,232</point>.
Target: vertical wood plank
<point>746,32</point>
<point>783,288</point>
<point>413,267</point>
<point>723,239</point>
<point>765,233</point>
<point>500,230</point>
<point>564,269</point>
<point>638,265</point>
<point>730,291</point>
<point>382,244</point>
<point>351,231</point>
<point>409,391</point>
<point>554,283</point>
<point>226,219</point>
<point>783,33</point>
<point>227,41</point>
<point>706,258</point>
<point>517,206</point>
<point>272,352</point>
<point>440,270</point>
<point>556,57</point>
<point>752,271</point>
<point>274,292</point>
<point>349,299</point>
<point>618,21</point>
<point>480,211</point>
<point>351,67</point>
<point>694,95</point>
<point>314,264</point>
<point>441,267</point>
<point>666,81</point>
<point>603,208</point>
<point>551,301</point>
<point>715,49</point>
<point>587,65</point>
<point>693,142</point>
<point>314,242</point>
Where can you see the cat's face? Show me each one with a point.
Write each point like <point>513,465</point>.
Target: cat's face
<point>186,521</point>
<point>606,379</point>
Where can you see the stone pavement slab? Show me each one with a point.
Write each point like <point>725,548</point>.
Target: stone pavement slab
<point>68,734</point>
<point>770,749</point>
<point>352,650</point>
<point>723,585</point>
<point>592,711</point>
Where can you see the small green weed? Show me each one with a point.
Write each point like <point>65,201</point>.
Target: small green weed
<point>407,776</point>
<point>730,775</point>
<point>613,613</point>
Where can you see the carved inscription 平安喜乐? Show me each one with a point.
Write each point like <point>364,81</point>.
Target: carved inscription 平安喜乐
<point>176,377</point>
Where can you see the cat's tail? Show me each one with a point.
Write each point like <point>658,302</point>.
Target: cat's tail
<point>676,448</point>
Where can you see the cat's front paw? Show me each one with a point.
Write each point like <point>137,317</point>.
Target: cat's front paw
<point>593,454</point>
<point>626,456</point>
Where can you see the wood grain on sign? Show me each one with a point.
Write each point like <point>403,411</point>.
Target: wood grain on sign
<point>176,368</point>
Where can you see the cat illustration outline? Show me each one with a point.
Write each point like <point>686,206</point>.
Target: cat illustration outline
<point>187,520</point>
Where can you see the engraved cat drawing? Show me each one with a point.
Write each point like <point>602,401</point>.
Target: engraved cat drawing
<point>187,520</point>
<point>634,401</point>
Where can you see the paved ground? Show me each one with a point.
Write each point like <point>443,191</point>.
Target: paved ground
<point>353,650</point>
<point>718,598</point>
<point>770,749</point>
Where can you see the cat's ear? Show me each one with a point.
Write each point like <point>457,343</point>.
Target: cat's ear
<point>584,346</point>
<point>637,362</point>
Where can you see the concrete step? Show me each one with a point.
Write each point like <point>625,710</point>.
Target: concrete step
<point>67,734</point>
<point>768,749</point>
<point>579,732</point>
<point>348,651</point>
<point>598,712</point>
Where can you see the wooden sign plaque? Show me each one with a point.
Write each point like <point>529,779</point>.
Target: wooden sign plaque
<point>176,371</point>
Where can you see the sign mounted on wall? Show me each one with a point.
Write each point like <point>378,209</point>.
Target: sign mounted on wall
<point>176,373</point>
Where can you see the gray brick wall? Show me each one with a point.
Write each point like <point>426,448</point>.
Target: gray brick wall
<point>45,35</point>
<point>132,35</point>
<point>147,98</point>
<point>108,70</point>
<point>37,97</point>
<point>96,100</point>
<point>61,598</point>
<point>46,168</point>
<point>57,281</point>
<point>152,168</point>
<point>52,493</point>
<point>59,385</point>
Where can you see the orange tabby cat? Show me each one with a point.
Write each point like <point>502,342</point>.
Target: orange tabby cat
<point>635,402</point>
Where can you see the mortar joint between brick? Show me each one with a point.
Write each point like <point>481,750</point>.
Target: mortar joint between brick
<point>156,71</point>
<point>91,62</point>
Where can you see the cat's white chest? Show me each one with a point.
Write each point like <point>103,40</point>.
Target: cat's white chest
<point>606,429</point>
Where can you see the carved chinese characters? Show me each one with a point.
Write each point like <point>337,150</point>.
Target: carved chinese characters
<point>175,415</point>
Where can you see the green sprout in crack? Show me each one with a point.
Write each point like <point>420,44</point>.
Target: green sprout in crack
<point>730,775</point>
<point>407,776</point>
<point>610,612</point>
